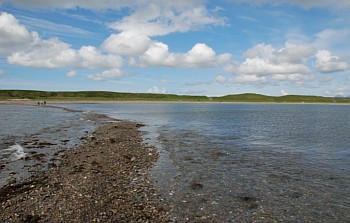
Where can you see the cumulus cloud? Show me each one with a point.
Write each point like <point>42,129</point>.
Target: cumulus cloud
<point>263,66</point>
<point>50,53</point>
<point>54,53</point>
<point>127,43</point>
<point>251,78</point>
<point>291,53</point>
<point>108,74</point>
<point>90,57</point>
<point>156,90</point>
<point>13,35</point>
<point>200,55</point>
<point>157,20</point>
<point>158,54</point>
<point>138,48</point>
<point>328,63</point>
<point>27,49</point>
<point>264,62</point>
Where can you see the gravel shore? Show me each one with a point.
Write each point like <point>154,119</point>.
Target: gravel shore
<point>103,180</point>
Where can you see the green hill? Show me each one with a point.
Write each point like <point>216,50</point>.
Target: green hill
<point>95,96</point>
<point>281,99</point>
<point>249,97</point>
<point>117,96</point>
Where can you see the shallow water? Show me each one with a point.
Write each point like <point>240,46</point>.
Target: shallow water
<point>30,134</point>
<point>247,162</point>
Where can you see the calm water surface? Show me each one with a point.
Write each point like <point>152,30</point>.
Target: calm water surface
<point>30,134</point>
<point>247,162</point>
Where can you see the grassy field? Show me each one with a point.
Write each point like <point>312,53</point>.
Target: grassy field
<point>281,99</point>
<point>95,96</point>
<point>116,96</point>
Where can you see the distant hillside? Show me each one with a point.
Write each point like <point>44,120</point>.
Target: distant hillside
<point>116,96</point>
<point>281,99</point>
<point>249,97</point>
<point>95,95</point>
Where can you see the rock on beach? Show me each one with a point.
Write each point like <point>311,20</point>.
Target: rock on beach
<point>103,180</point>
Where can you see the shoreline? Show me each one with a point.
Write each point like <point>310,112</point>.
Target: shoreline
<point>34,102</point>
<point>105,179</point>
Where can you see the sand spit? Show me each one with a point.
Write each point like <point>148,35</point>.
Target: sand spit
<point>103,180</point>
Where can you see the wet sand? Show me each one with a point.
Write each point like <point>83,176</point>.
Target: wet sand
<point>103,180</point>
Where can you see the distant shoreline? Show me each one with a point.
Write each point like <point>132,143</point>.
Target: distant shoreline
<point>34,102</point>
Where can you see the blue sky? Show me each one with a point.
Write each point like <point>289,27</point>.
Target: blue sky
<point>195,47</point>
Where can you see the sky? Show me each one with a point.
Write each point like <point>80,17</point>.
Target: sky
<point>185,47</point>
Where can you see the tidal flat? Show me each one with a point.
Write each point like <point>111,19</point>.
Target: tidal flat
<point>104,179</point>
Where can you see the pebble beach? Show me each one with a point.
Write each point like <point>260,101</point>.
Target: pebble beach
<point>102,180</point>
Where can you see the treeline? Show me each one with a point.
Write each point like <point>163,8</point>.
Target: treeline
<point>117,96</point>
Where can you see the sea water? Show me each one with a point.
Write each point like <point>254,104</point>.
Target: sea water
<point>29,135</point>
<point>240,162</point>
<point>247,162</point>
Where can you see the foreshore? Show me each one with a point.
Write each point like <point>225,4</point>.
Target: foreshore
<point>105,179</point>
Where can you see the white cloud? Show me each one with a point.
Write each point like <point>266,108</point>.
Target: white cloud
<point>158,54</point>
<point>328,63</point>
<point>200,55</point>
<point>265,63</point>
<point>127,43</point>
<point>249,78</point>
<point>50,53</point>
<point>157,20</point>
<point>133,42</point>
<point>91,58</point>
<point>13,35</point>
<point>54,53</point>
<point>108,74</point>
<point>156,90</point>
<point>71,73</point>
<point>291,53</point>
<point>28,49</point>
<point>264,67</point>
